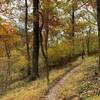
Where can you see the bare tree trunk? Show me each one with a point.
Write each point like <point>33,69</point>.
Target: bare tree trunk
<point>8,77</point>
<point>35,55</point>
<point>27,39</point>
<point>45,55</point>
<point>98,21</point>
<point>46,43</point>
<point>44,38</point>
<point>83,47</point>
<point>73,27</point>
<point>88,41</point>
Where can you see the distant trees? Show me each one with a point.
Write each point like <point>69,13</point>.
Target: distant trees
<point>9,39</point>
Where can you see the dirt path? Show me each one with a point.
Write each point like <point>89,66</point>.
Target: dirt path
<point>53,92</point>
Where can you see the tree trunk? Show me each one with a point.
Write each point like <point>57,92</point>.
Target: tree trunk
<point>46,43</point>
<point>83,47</point>
<point>98,21</point>
<point>8,76</point>
<point>88,41</point>
<point>35,55</point>
<point>44,39</point>
<point>27,40</point>
<point>73,28</point>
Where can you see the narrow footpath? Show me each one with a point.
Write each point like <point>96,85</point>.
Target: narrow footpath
<point>53,92</point>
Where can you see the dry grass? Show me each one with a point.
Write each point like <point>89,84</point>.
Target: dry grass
<point>34,90</point>
<point>73,85</point>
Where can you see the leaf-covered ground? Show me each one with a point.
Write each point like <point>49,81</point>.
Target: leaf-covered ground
<point>83,83</point>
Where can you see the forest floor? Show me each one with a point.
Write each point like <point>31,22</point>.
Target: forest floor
<point>75,79</point>
<point>23,90</point>
<point>80,83</point>
<point>53,92</point>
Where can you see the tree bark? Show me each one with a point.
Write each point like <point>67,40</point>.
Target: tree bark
<point>27,39</point>
<point>98,21</point>
<point>44,47</point>
<point>73,28</point>
<point>46,44</point>
<point>35,54</point>
<point>83,46</point>
<point>88,41</point>
<point>8,64</point>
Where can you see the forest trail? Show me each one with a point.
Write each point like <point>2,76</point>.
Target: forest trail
<point>53,92</point>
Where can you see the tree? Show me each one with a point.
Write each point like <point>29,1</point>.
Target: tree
<point>44,48</point>
<point>88,40</point>
<point>98,21</point>
<point>73,24</point>
<point>35,54</point>
<point>27,40</point>
<point>49,20</point>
